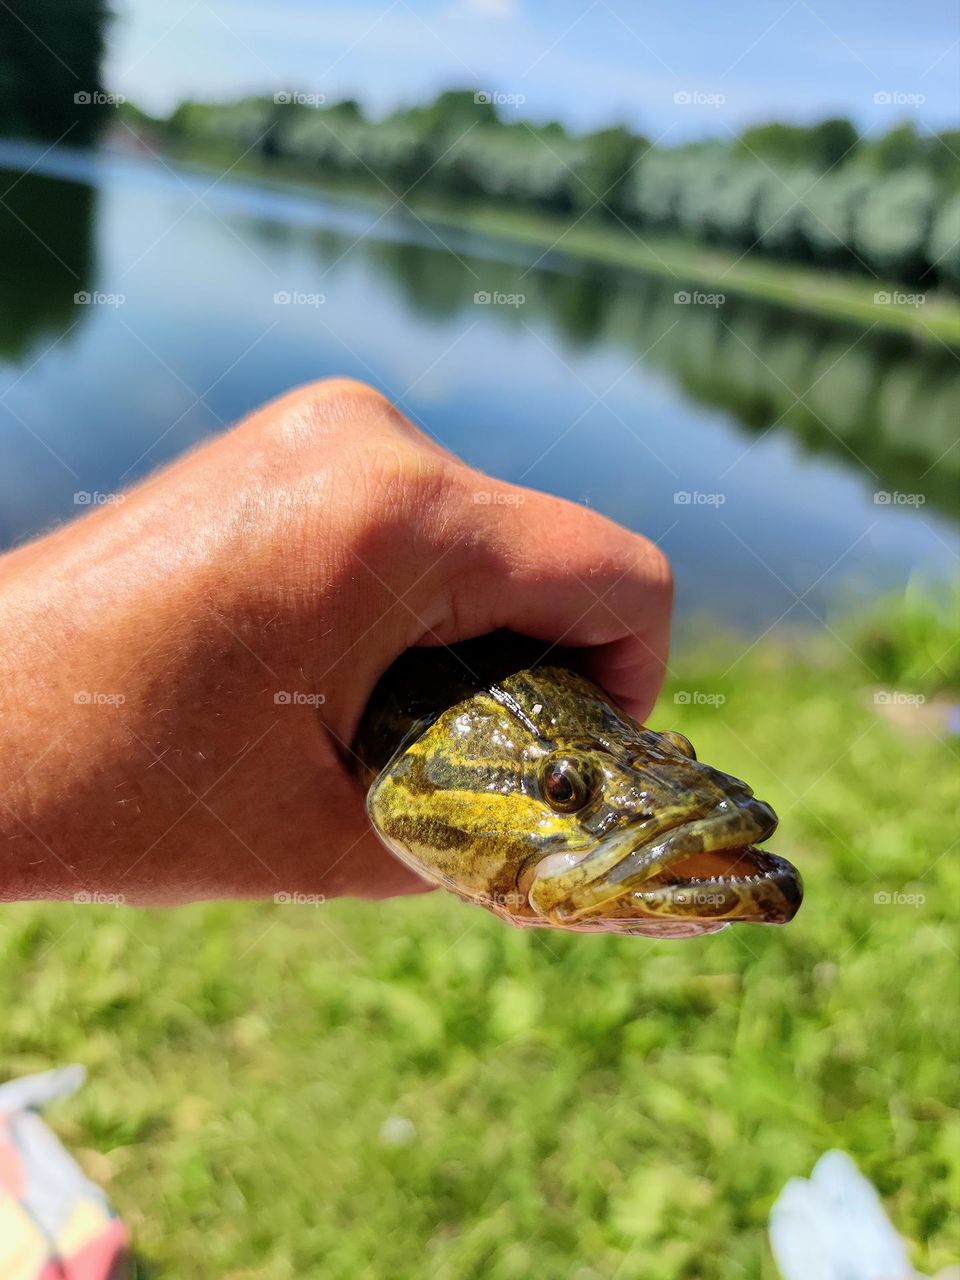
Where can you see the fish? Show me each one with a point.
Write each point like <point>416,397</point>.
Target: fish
<point>508,778</point>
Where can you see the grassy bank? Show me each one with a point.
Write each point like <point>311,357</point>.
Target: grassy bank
<point>821,292</point>
<point>412,1089</point>
<point>841,296</point>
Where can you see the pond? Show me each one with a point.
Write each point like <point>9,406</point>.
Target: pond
<point>788,465</point>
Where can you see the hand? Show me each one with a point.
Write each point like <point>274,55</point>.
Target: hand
<point>183,670</point>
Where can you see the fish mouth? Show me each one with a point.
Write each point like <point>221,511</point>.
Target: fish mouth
<point>704,872</point>
<point>740,883</point>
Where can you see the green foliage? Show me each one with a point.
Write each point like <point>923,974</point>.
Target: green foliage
<point>894,222</point>
<point>943,252</point>
<point>609,158</point>
<point>51,52</point>
<point>412,1088</point>
<point>46,229</point>
<point>814,193</point>
<point>831,142</point>
<point>830,209</point>
<point>821,145</point>
<point>782,213</point>
<point>913,641</point>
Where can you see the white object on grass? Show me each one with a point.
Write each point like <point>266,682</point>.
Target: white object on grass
<point>833,1227</point>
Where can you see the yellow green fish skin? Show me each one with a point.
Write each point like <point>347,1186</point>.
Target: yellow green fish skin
<point>538,798</point>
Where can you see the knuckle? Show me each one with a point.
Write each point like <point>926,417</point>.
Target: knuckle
<point>654,565</point>
<point>406,482</point>
<point>330,409</point>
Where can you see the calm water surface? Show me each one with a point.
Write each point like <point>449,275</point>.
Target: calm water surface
<point>751,442</point>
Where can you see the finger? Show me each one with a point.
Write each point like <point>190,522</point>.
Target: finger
<point>566,575</point>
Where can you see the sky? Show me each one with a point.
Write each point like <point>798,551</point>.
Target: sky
<point>675,70</point>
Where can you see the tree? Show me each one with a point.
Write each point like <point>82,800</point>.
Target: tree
<point>893,225</point>
<point>609,156</point>
<point>900,148</point>
<point>832,142</point>
<point>51,53</point>
<point>943,248</point>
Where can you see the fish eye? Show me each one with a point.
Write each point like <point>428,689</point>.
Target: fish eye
<point>682,744</point>
<point>567,784</point>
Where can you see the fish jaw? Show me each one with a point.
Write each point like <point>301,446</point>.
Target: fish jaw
<point>708,871</point>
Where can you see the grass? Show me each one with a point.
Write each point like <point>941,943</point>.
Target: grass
<point>843,296</point>
<point>818,290</point>
<point>413,1090</point>
<point>913,642</point>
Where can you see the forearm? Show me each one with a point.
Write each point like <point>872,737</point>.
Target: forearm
<point>87,687</point>
<point>143,753</point>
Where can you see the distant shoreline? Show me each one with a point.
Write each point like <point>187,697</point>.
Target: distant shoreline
<point>693,267</point>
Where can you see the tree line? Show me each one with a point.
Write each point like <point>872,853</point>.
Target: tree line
<point>821,194</point>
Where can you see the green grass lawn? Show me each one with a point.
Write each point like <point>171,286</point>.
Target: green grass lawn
<point>413,1089</point>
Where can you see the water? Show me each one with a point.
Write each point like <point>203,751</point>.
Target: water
<point>749,441</point>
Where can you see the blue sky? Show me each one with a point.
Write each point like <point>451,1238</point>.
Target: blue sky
<point>587,62</point>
